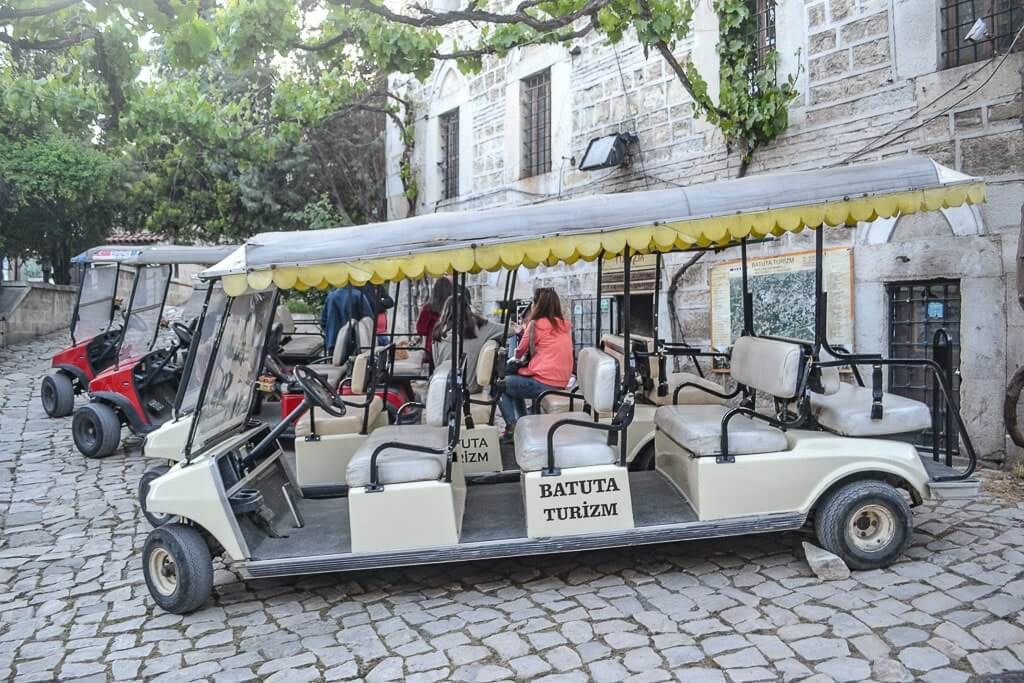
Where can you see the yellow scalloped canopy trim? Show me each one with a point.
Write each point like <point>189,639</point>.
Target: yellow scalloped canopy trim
<point>680,235</point>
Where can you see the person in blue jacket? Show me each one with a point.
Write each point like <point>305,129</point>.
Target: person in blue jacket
<point>341,305</point>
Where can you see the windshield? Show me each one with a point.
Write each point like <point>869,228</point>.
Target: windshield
<point>236,363</point>
<point>95,302</point>
<point>201,349</point>
<point>194,306</point>
<point>143,321</point>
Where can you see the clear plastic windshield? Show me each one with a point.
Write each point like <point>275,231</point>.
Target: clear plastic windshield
<point>202,349</point>
<point>143,321</point>
<point>194,306</point>
<point>96,301</point>
<point>236,364</point>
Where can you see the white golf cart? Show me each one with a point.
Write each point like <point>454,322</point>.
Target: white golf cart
<point>817,450</point>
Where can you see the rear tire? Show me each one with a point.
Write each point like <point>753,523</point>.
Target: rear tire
<point>58,394</point>
<point>178,568</point>
<point>96,429</point>
<point>867,523</point>
<point>156,519</point>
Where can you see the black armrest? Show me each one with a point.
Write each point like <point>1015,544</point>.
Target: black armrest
<point>675,394</point>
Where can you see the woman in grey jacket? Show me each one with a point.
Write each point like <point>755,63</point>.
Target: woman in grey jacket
<point>476,331</point>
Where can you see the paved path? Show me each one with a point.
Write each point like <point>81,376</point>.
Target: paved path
<point>73,603</point>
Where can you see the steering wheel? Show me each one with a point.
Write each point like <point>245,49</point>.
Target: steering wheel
<point>318,391</point>
<point>183,332</point>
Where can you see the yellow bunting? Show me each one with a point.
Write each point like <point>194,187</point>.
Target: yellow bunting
<point>285,278</point>
<point>235,285</point>
<point>589,246</point>
<point>259,279</point>
<point>412,267</point>
<point>488,258</point>
<point>976,193</point>
<point>463,260</point>
<point>511,255</point>
<point>835,214</point>
<point>613,242</point>
<point>336,274</point>
<point>310,275</point>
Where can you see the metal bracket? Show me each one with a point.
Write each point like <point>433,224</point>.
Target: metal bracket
<point>725,459</point>
<point>553,472</point>
<point>312,437</point>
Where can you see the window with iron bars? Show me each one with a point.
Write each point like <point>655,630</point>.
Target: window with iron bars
<point>762,36</point>
<point>449,124</point>
<point>1003,19</point>
<point>536,108</point>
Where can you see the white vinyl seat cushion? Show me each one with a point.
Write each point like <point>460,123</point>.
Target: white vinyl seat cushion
<point>399,465</point>
<point>303,345</point>
<point>408,368</point>
<point>349,423</point>
<point>332,373</point>
<point>554,404</point>
<point>848,412</point>
<point>481,413</point>
<point>688,395</point>
<point>698,429</point>
<point>574,446</point>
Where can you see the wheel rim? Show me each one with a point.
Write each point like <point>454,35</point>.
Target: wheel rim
<point>49,395</point>
<point>163,572</point>
<point>872,527</point>
<point>88,433</point>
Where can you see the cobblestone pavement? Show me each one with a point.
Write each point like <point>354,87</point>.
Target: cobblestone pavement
<point>73,603</point>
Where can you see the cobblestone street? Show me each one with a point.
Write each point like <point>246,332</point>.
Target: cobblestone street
<point>73,604</point>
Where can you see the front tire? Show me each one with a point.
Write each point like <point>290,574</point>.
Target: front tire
<point>96,429</point>
<point>156,519</point>
<point>178,569</point>
<point>58,394</point>
<point>866,523</point>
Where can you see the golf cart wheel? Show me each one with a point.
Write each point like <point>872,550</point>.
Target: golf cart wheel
<point>58,394</point>
<point>96,429</point>
<point>178,568</point>
<point>156,519</point>
<point>644,460</point>
<point>866,523</point>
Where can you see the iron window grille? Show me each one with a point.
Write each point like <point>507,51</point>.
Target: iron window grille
<point>1002,17</point>
<point>761,28</point>
<point>449,123</point>
<point>917,310</point>
<point>536,107</point>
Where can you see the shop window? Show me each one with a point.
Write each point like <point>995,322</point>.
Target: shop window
<point>536,110</point>
<point>917,310</point>
<point>1002,19</point>
<point>449,125</point>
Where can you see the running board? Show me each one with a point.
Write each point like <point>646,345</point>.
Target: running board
<point>954,490</point>
<point>467,552</point>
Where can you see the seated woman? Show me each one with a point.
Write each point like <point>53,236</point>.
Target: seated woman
<point>476,331</point>
<point>430,314</point>
<point>546,348</point>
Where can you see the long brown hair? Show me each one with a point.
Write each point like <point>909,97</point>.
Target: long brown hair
<point>547,305</point>
<point>471,322</point>
<point>439,294</point>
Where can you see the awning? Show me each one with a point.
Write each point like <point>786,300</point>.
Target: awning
<point>566,231</point>
<point>177,254</point>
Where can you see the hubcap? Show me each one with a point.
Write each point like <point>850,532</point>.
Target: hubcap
<point>163,572</point>
<point>872,528</point>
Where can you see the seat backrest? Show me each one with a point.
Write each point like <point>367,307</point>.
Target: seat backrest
<point>284,316</point>
<point>830,379</point>
<point>769,365</point>
<point>485,362</point>
<point>364,331</point>
<point>437,390</point>
<point>615,344</point>
<point>597,373</point>
<point>341,344</point>
<point>360,373</point>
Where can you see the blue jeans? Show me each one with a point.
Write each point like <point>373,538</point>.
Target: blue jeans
<point>513,399</point>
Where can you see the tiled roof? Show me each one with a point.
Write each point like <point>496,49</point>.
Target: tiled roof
<point>134,238</point>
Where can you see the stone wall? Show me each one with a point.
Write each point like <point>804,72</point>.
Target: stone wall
<point>870,85</point>
<point>31,309</point>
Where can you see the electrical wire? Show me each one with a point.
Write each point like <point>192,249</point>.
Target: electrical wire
<point>871,146</point>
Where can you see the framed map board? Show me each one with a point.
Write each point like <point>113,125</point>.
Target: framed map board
<point>783,293</point>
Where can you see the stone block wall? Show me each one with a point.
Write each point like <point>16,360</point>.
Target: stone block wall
<point>32,309</point>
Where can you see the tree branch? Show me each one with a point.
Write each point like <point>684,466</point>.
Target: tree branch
<point>433,19</point>
<point>491,49</point>
<point>9,14</point>
<point>84,35</point>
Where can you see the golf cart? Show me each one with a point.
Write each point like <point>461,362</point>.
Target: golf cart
<point>140,387</point>
<point>777,460</point>
<point>94,332</point>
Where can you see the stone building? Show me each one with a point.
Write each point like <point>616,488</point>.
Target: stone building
<point>876,78</point>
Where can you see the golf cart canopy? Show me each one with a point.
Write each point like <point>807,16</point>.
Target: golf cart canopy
<point>174,254</point>
<point>713,214</point>
<point>106,253</point>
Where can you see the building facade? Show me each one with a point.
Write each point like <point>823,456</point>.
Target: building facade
<point>876,78</point>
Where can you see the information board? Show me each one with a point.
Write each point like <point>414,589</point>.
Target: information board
<point>783,293</point>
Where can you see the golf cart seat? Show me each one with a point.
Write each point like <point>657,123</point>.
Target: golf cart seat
<point>344,348</point>
<point>412,366</point>
<point>481,412</point>
<point>399,465</point>
<point>296,344</point>
<point>352,421</point>
<point>768,366</point>
<point>614,344</point>
<point>846,409</point>
<point>574,446</point>
<point>555,403</point>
